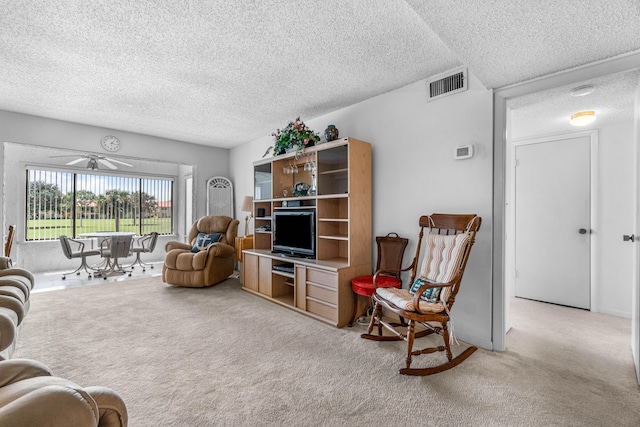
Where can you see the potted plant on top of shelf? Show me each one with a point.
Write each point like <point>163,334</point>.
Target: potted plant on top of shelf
<point>295,136</point>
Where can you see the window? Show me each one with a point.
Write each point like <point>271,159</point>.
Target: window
<point>71,203</point>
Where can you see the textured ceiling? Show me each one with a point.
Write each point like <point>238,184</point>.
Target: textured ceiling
<point>225,72</point>
<point>549,111</point>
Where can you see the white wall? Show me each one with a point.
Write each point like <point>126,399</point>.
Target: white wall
<point>33,133</point>
<point>614,268</point>
<point>414,174</point>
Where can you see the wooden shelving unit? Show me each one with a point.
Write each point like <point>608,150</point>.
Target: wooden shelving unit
<point>319,287</point>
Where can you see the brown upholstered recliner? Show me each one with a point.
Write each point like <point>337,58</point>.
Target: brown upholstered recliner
<point>209,266</point>
<point>31,396</point>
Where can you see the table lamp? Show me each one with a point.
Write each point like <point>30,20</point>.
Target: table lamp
<point>247,206</point>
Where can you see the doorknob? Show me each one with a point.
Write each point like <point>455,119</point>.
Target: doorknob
<point>582,231</point>
<point>627,238</point>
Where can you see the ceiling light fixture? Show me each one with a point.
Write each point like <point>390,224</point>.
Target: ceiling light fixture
<point>582,90</point>
<point>583,118</point>
<point>93,164</point>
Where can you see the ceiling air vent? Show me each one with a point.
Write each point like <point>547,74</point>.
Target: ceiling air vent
<point>452,82</point>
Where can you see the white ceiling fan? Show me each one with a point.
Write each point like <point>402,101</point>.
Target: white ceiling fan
<point>93,160</point>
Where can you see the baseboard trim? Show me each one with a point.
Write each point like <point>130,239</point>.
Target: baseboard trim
<point>485,344</point>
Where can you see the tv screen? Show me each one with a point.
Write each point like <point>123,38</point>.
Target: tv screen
<point>294,233</point>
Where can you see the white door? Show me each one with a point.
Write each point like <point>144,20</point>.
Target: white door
<point>635,293</point>
<point>553,221</point>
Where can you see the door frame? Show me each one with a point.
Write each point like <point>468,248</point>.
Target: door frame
<point>622,63</point>
<point>510,210</point>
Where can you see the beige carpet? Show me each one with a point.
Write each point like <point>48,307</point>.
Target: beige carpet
<point>222,357</point>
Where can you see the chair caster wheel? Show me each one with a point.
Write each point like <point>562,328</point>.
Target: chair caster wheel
<point>89,276</point>
<point>143,270</point>
<point>64,277</point>
<point>129,274</point>
<point>104,278</point>
<point>78,273</point>
<point>151,267</point>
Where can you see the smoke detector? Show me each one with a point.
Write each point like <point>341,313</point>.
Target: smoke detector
<point>582,90</point>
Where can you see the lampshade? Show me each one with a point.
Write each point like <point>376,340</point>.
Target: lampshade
<point>583,118</point>
<point>247,204</point>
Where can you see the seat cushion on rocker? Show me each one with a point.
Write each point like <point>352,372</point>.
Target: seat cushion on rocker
<point>363,285</point>
<point>443,254</point>
<point>403,299</point>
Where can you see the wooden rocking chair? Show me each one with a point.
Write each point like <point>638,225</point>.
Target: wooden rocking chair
<point>432,293</point>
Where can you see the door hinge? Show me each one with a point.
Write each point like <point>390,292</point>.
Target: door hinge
<point>628,238</point>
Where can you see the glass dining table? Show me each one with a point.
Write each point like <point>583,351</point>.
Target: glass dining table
<point>113,245</point>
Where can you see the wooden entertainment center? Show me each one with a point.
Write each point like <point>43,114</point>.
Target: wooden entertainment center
<point>339,176</point>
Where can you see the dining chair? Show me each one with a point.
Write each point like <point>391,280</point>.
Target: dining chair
<point>144,244</point>
<point>390,253</point>
<point>77,251</point>
<point>113,249</point>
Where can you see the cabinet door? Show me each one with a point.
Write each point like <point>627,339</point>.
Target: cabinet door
<point>250,273</point>
<point>301,289</point>
<point>264,276</point>
<point>333,171</point>
<point>262,182</point>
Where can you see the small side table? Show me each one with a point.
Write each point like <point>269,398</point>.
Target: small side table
<point>242,243</point>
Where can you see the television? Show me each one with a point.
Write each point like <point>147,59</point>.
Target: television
<point>294,233</point>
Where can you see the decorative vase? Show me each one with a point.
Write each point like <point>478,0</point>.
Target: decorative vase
<point>300,189</point>
<point>331,133</point>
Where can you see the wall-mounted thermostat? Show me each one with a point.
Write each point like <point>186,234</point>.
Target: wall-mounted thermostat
<point>463,152</point>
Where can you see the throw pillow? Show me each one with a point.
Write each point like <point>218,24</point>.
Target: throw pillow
<point>204,240</point>
<point>430,295</point>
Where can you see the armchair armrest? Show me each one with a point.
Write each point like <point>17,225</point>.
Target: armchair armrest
<point>176,245</point>
<point>13,304</point>
<point>51,401</point>
<point>220,250</point>
<point>18,272</point>
<point>113,411</point>
<point>14,370</point>
<point>8,334</point>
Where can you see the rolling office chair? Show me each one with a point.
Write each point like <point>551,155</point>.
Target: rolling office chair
<point>79,252</point>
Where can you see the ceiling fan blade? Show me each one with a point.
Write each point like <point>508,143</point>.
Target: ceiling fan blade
<point>73,162</point>
<point>107,163</point>
<point>118,161</point>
